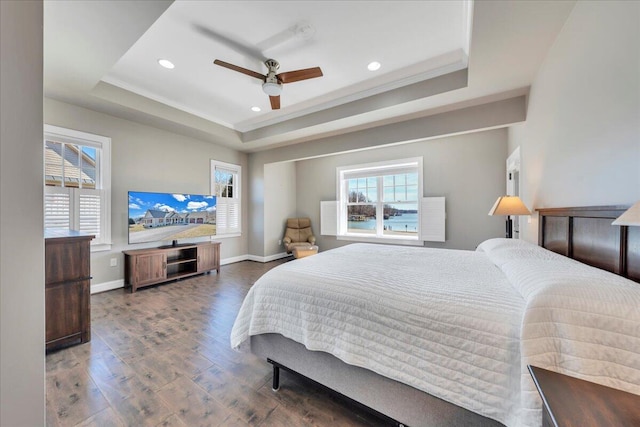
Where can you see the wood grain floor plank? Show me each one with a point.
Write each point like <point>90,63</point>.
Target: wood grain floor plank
<point>193,405</point>
<point>104,418</point>
<point>73,396</point>
<point>162,357</point>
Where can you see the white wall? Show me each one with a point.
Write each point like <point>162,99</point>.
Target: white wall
<point>581,140</point>
<point>279,203</point>
<point>469,170</point>
<point>22,398</point>
<point>145,158</point>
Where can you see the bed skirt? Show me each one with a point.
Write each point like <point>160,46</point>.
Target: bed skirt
<point>398,401</point>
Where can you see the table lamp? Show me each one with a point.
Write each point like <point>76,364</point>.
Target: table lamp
<point>509,205</point>
<point>630,217</point>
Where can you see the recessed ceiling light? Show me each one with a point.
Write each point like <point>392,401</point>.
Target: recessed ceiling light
<point>374,66</point>
<point>166,63</point>
<point>256,109</point>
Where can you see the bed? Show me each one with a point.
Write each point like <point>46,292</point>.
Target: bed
<point>434,337</point>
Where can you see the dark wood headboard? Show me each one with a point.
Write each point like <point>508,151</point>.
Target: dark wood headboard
<point>586,234</point>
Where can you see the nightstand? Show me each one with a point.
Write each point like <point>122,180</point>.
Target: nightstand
<point>569,401</point>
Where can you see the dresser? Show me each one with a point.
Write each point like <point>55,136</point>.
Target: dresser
<point>67,288</point>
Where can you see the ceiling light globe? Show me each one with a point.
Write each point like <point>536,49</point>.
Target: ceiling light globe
<point>166,64</point>
<point>272,89</point>
<point>256,109</point>
<point>374,66</point>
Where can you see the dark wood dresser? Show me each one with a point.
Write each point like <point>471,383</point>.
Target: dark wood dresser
<point>67,288</point>
<point>569,401</point>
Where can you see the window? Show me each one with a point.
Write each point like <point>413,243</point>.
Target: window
<point>77,180</point>
<point>380,200</point>
<point>225,185</point>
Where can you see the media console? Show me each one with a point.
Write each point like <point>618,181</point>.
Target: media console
<point>145,267</point>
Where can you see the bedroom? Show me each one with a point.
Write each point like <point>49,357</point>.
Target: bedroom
<point>584,93</point>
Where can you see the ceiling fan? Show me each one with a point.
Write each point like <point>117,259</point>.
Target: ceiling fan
<point>272,82</point>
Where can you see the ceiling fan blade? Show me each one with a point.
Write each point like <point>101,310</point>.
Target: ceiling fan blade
<point>297,75</point>
<point>240,69</point>
<point>275,102</point>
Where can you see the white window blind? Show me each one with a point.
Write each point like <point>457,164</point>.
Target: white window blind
<point>329,218</point>
<point>57,208</point>
<point>226,186</point>
<point>432,219</point>
<point>89,212</point>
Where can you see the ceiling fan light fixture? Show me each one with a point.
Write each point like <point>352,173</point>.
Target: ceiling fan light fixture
<point>272,89</point>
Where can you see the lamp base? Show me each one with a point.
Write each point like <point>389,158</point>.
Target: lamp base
<point>509,230</point>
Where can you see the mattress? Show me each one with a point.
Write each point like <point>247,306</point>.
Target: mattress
<point>459,325</point>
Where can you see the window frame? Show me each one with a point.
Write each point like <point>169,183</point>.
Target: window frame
<point>222,201</point>
<point>377,170</point>
<point>103,179</point>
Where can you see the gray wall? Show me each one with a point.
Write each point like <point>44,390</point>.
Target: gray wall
<point>469,170</point>
<point>581,142</point>
<point>147,159</point>
<point>22,400</point>
<point>485,116</point>
<point>280,184</point>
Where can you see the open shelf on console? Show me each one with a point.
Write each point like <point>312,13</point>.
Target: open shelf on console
<point>145,267</point>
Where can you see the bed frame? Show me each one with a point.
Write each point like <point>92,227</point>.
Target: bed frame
<point>586,235</point>
<point>581,233</point>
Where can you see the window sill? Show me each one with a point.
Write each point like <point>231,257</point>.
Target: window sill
<point>224,236</point>
<point>101,247</point>
<point>385,240</point>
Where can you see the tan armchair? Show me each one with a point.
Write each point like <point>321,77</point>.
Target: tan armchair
<point>298,234</point>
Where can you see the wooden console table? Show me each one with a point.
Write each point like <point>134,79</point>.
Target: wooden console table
<point>67,259</point>
<point>145,267</point>
<point>569,401</point>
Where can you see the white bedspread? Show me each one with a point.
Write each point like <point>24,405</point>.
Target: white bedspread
<point>443,321</point>
<point>459,325</point>
<point>579,320</point>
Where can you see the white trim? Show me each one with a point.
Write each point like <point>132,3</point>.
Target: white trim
<point>225,236</point>
<point>234,259</point>
<point>385,240</point>
<point>101,247</point>
<point>107,286</point>
<point>103,144</point>
<point>73,136</point>
<point>269,258</point>
<point>343,173</point>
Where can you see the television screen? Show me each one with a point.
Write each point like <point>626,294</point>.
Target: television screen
<point>165,216</point>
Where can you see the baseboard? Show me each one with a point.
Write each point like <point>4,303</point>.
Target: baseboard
<point>268,258</point>
<point>115,284</point>
<point>107,286</point>
<point>234,259</point>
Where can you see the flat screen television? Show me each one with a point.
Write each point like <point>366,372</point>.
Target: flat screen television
<point>155,217</point>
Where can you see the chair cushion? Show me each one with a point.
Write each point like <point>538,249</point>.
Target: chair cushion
<point>298,222</point>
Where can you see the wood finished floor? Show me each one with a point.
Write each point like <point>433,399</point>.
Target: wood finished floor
<point>161,357</point>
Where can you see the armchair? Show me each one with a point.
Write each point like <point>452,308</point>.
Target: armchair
<point>298,234</point>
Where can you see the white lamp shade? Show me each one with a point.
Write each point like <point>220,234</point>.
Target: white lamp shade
<point>630,217</point>
<point>509,205</point>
